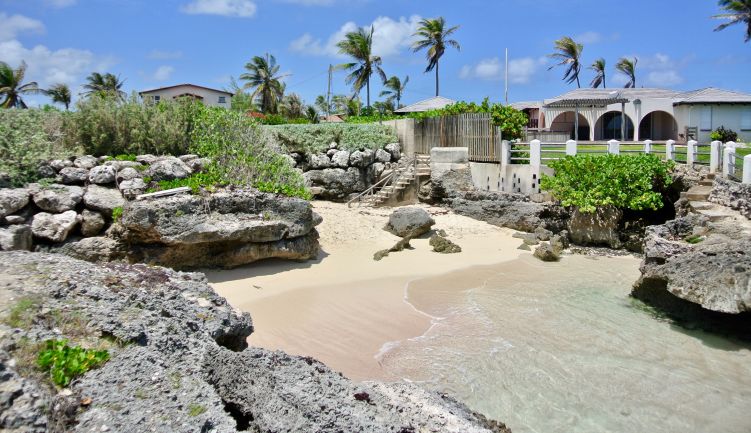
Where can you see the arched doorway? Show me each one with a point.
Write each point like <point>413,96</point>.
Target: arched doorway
<point>608,127</point>
<point>658,126</point>
<point>566,123</point>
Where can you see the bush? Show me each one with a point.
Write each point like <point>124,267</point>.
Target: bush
<point>28,137</point>
<point>510,120</point>
<point>723,135</point>
<point>315,138</point>
<point>623,181</point>
<point>65,363</point>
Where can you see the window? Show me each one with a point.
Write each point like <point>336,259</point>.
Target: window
<point>705,119</point>
<point>222,99</point>
<point>746,119</point>
<point>157,98</point>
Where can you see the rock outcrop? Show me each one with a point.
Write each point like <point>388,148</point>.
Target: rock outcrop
<point>514,211</point>
<point>409,222</point>
<point>179,362</point>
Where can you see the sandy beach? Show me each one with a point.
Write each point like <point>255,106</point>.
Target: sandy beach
<point>344,307</point>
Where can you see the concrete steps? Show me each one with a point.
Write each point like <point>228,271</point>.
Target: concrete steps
<point>698,193</point>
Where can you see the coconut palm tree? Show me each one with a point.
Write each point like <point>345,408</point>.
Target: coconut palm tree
<point>60,94</point>
<point>11,87</point>
<point>359,46</point>
<point>737,12</point>
<point>312,114</point>
<point>394,89</point>
<point>568,53</point>
<point>627,67</point>
<point>104,85</point>
<point>263,76</point>
<point>599,67</point>
<point>293,106</point>
<point>433,36</point>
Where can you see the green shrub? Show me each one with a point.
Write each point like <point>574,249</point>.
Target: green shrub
<point>623,181</point>
<point>723,135</point>
<point>315,138</point>
<point>510,120</point>
<point>65,363</point>
<point>117,213</point>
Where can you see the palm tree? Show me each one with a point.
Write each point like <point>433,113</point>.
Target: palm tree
<point>104,85</point>
<point>394,89</point>
<point>359,46</point>
<point>12,89</point>
<point>433,36</point>
<point>738,12</point>
<point>263,76</point>
<point>599,67</point>
<point>568,54</point>
<point>60,94</point>
<point>312,114</point>
<point>627,67</point>
<point>293,106</point>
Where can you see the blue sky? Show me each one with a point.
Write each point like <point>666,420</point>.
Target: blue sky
<point>153,43</point>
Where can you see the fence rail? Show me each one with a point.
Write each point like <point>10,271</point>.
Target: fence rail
<point>476,132</point>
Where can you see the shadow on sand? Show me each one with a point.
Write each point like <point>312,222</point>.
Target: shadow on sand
<point>262,268</point>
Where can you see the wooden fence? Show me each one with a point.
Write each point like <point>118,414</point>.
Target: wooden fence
<point>473,131</point>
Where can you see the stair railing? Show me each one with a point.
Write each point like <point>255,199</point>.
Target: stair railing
<point>390,179</point>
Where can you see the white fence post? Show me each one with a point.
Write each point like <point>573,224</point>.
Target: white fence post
<point>535,154</point>
<point>647,146</point>
<point>670,150</point>
<point>746,169</point>
<point>505,152</point>
<point>714,156</point>
<point>614,147</point>
<point>571,148</point>
<point>728,160</point>
<point>691,152</point>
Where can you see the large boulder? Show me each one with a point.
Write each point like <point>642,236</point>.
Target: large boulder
<point>382,156</point>
<point>59,164</point>
<point>341,158</point>
<point>13,200</point>
<point>734,195</point>
<point>87,162</point>
<point>132,188</point>
<point>514,211</point>
<point>73,175</point>
<point>103,199</point>
<point>91,249</point>
<point>361,158</point>
<point>168,168</point>
<point>58,198</point>
<point>395,149</point>
<point>15,237</point>
<point>409,222</point>
<point>92,223</point>
<point>127,173</point>
<point>102,175</point>
<point>319,161</point>
<point>336,183</point>
<point>547,252</point>
<point>55,227</point>
<point>596,228</point>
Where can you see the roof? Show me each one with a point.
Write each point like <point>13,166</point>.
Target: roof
<point>712,95</point>
<point>604,97</point>
<point>186,85</point>
<point>523,105</point>
<point>434,103</point>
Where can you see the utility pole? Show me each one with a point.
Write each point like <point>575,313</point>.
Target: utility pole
<point>506,77</point>
<point>328,93</point>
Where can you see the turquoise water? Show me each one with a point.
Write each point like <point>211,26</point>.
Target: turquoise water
<point>562,348</point>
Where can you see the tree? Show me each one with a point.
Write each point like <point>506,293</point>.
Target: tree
<point>737,12</point>
<point>312,114</point>
<point>60,94</point>
<point>359,46</point>
<point>11,87</point>
<point>433,36</point>
<point>323,105</point>
<point>263,76</point>
<point>568,53</point>
<point>104,85</point>
<point>599,67</point>
<point>394,90</point>
<point>627,67</point>
<point>293,106</point>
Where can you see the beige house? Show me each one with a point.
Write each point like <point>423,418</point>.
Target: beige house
<point>208,96</point>
<point>640,114</point>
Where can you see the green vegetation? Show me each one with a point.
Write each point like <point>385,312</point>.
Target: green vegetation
<point>65,363</point>
<point>316,138</point>
<point>723,135</point>
<point>735,12</point>
<point>693,239</point>
<point>568,54</point>
<point>359,46</point>
<point>627,67</point>
<point>117,213</point>
<point>22,314</point>
<point>12,86</point>
<point>195,410</point>
<point>628,182</point>
<point>433,36</point>
<point>510,120</point>
<point>263,76</point>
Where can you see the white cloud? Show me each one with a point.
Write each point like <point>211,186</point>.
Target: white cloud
<point>664,78</point>
<point>390,37</point>
<point>61,3</point>
<point>228,8</point>
<point>165,55</point>
<point>588,38</point>
<point>520,71</point>
<point>12,25</point>
<point>163,73</point>
<point>662,70</point>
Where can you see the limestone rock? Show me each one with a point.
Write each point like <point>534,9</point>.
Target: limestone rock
<point>362,158</point>
<point>734,195</point>
<point>147,159</point>
<point>13,200</point>
<point>92,223</point>
<point>395,149</point>
<point>15,237</point>
<point>46,171</point>
<point>168,168</point>
<point>103,199</point>
<point>543,234</point>
<point>547,253</point>
<point>444,246</point>
<point>87,162</point>
<point>514,211</point>
<point>337,183</point>
<point>132,188</point>
<point>58,198</point>
<point>598,228</point>
<point>15,219</point>
<point>382,156</point>
<point>55,227</point>
<point>59,164</point>
<point>409,222</point>
<point>127,173</point>
<point>187,158</point>
<point>91,249</point>
<point>200,164</point>
<point>73,175</point>
<point>331,152</point>
<point>102,175</point>
<point>341,159</point>
<point>319,162</point>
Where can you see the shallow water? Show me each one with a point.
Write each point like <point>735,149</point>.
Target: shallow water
<point>562,348</point>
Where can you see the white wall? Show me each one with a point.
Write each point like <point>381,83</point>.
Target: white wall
<point>210,97</point>
<point>729,116</point>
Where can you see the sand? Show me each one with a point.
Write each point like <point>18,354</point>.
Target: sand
<point>344,308</point>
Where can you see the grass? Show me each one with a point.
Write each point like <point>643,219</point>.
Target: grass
<point>657,149</point>
<point>22,314</point>
<point>195,410</point>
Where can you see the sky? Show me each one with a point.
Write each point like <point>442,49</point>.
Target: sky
<point>155,43</point>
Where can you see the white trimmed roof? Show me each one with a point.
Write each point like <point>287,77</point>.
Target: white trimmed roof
<point>525,104</point>
<point>712,95</point>
<point>434,103</point>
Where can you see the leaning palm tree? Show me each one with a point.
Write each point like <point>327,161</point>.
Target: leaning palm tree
<point>293,106</point>
<point>627,67</point>
<point>433,36</point>
<point>60,94</point>
<point>394,89</point>
<point>104,85</point>
<point>568,53</point>
<point>738,12</point>
<point>11,87</point>
<point>263,76</point>
<point>359,46</point>
<point>312,114</point>
<point>599,67</point>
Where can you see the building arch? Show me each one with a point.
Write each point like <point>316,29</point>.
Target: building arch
<point>608,127</point>
<point>658,126</point>
<point>566,123</point>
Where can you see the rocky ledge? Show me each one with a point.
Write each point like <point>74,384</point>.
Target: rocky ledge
<point>179,362</point>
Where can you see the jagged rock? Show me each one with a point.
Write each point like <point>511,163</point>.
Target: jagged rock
<point>15,237</point>
<point>73,175</point>
<point>58,198</point>
<point>734,195</point>
<point>409,222</point>
<point>547,253</point>
<point>54,227</point>
<point>337,183</point>
<point>23,405</point>
<point>147,159</point>
<point>559,243</point>
<point>319,162</point>
<point>395,149</point>
<point>102,175</point>
<point>361,158</point>
<point>87,162</point>
<point>121,165</point>
<point>91,249</point>
<point>13,200</point>
<point>127,173</point>
<point>103,199</point>
<point>514,211</point>
<point>341,159</point>
<point>187,158</point>
<point>331,152</point>
<point>543,234</point>
<point>168,168</point>
<point>375,171</point>
<point>92,223</point>
<point>15,219</point>
<point>444,246</point>
<point>59,164</point>
<point>382,156</point>
<point>597,228</point>
<point>132,188</point>
<point>200,164</point>
<point>400,245</point>
<point>45,171</point>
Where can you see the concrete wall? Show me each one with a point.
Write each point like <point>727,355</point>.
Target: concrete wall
<point>405,130</point>
<point>729,116</point>
<point>210,97</point>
